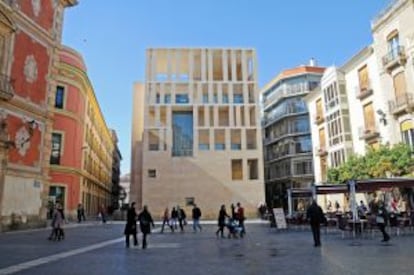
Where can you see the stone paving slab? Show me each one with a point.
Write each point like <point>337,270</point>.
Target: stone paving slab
<point>264,250</point>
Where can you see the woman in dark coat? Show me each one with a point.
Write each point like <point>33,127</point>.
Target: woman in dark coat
<point>131,225</point>
<point>221,220</point>
<point>381,219</point>
<point>145,222</point>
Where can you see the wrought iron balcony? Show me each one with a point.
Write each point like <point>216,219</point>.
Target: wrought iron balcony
<point>6,87</point>
<point>394,58</point>
<point>402,104</point>
<point>321,151</point>
<point>362,93</point>
<point>369,132</point>
<point>318,119</point>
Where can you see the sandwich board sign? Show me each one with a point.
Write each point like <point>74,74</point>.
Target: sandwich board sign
<point>280,219</point>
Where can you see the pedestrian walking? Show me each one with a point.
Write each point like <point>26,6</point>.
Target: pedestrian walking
<point>58,220</point>
<point>166,221</point>
<point>240,217</point>
<point>315,215</point>
<point>233,211</point>
<point>222,221</point>
<point>382,219</point>
<point>102,213</point>
<point>145,222</point>
<point>174,218</point>
<point>181,218</point>
<point>196,213</point>
<point>131,225</point>
<point>81,213</point>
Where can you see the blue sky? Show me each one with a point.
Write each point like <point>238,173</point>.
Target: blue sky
<point>112,37</point>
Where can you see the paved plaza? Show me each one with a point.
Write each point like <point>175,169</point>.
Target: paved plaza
<point>99,249</point>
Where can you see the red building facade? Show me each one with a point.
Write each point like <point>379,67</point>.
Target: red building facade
<point>30,36</point>
<point>82,145</point>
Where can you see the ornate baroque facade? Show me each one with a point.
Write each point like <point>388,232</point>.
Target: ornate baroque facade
<point>30,34</point>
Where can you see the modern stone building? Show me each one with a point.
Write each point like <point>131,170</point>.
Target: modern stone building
<point>196,131</point>
<point>286,132</point>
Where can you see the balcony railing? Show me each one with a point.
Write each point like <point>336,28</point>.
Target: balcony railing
<point>6,87</point>
<point>362,93</point>
<point>394,58</point>
<point>318,119</point>
<point>287,90</point>
<point>369,132</point>
<point>402,104</point>
<point>321,151</point>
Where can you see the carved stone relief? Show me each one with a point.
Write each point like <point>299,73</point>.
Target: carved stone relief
<point>30,69</point>
<point>36,5</point>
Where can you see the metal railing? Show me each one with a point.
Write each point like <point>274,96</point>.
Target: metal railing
<point>363,92</point>
<point>368,132</point>
<point>6,87</point>
<point>287,90</point>
<point>318,118</point>
<point>395,54</point>
<point>321,150</point>
<point>402,101</point>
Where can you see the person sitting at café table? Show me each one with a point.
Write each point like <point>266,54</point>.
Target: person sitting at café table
<point>362,210</point>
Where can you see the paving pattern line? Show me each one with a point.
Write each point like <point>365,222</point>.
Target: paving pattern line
<point>44,260</point>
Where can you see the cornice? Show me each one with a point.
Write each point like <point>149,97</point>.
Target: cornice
<point>363,54</point>
<point>24,23</point>
<point>388,13</point>
<point>67,114</point>
<point>69,3</point>
<point>6,17</point>
<point>85,81</point>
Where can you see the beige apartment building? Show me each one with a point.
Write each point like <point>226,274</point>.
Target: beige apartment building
<point>369,100</point>
<point>196,131</point>
<point>393,33</point>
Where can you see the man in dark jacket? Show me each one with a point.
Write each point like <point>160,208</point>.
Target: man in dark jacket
<point>316,217</point>
<point>131,225</point>
<point>145,222</point>
<point>196,218</point>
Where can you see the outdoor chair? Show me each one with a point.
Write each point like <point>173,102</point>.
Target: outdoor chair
<point>344,226</point>
<point>371,225</point>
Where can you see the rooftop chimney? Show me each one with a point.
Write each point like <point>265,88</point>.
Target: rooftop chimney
<point>312,62</point>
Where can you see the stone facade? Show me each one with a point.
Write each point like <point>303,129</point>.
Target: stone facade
<point>199,140</point>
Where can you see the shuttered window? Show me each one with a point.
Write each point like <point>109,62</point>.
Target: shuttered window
<point>399,86</point>
<point>363,78</point>
<point>369,117</point>
<point>322,141</point>
<point>319,111</point>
